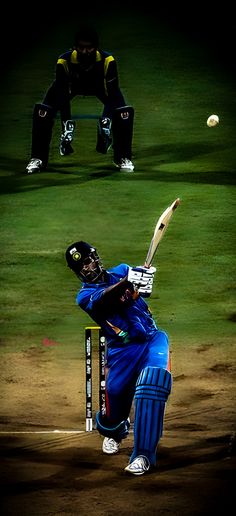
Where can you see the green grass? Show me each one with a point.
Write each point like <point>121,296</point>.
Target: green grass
<point>83,197</point>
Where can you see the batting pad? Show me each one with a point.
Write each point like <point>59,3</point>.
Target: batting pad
<point>122,130</point>
<point>152,390</point>
<point>42,132</point>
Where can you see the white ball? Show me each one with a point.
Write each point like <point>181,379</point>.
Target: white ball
<point>213,120</point>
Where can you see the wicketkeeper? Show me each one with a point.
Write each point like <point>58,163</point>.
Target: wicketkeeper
<point>137,361</point>
<point>84,71</point>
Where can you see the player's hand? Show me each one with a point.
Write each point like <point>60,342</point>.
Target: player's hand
<point>124,336</point>
<point>145,290</point>
<point>142,279</point>
<point>141,275</point>
<point>127,296</point>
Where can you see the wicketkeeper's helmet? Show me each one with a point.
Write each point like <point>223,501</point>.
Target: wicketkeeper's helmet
<point>88,34</point>
<point>82,258</point>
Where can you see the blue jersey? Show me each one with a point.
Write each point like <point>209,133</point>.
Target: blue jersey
<point>133,342</point>
<point>135,319</point>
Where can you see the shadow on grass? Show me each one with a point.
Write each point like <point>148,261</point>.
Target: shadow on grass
<point>13,178</point>
<point>173,153</point>
<point>146,164</point>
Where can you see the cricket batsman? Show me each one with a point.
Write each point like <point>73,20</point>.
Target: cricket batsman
<point>83,71</point>
<point>137,354</point>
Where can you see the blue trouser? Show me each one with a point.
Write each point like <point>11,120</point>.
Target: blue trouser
<point>124,367</point>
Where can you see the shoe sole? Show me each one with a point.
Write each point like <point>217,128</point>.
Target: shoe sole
<point>137,472</point>
<point>110,453</point>
<point>123,169</point>
<point>66,153</point>
<point>127,470</point>
<point>34,171</point>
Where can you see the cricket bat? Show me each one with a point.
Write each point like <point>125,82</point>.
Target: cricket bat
<point>159,231</point>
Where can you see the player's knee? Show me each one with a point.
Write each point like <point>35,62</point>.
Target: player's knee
<point>43,111</point>
<point>125,112</point>
<point>122,119</point>
<point>43,120</point>
<point>154,383</point>
<point>117,432</point>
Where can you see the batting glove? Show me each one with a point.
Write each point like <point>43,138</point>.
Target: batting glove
<point>142,279</point>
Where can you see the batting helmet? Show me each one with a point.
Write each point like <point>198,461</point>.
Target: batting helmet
<point>79,256</point>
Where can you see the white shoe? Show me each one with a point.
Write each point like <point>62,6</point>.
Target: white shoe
<point>138,466</point>
<point>110,446</point>
<point>125,164</point>
<point>34,165</point>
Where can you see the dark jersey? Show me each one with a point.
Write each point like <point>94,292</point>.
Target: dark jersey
<point>99,79</point>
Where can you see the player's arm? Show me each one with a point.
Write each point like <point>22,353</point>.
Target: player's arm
<point>62,73</point>
<point>116,98</point>
<point>111,75</point>
<point>117,295</point>
<point>63,96</point>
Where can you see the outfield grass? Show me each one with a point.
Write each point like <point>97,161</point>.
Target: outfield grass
<point>174,86</point>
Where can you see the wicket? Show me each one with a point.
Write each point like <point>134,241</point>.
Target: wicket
<point>89,369</point>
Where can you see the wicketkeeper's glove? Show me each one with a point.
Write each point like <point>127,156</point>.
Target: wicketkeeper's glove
<point>67,137</point>
<point>142,279</point>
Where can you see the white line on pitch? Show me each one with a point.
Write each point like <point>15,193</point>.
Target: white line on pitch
<point>43,432</point>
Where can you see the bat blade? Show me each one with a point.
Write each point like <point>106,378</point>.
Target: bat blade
<point>159,231</point>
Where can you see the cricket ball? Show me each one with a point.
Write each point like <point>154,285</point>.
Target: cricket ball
<point>213,120</point>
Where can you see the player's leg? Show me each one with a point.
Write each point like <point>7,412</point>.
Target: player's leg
<point>157,352</point>
<point>115,128</point>
<point>60,99</point>
<point>151,393</point>
<point>152,390</point>
<point>122,132</point>
<point>120,387</point>
<point>43,119</point>
<point>119,397</point>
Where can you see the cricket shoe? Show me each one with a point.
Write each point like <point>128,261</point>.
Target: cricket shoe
<point>138,466</point>
<point>35,165</point>
<point>125,165</point>
<point>110,446</point>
